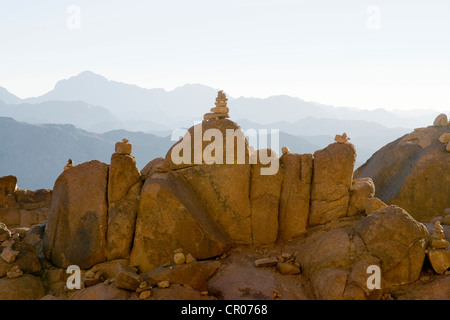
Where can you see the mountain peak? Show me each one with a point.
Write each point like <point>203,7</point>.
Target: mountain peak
<point>89,75</point>
<point>8,97</point>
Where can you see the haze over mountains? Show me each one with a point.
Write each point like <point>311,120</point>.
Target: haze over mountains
<point>96,106</point>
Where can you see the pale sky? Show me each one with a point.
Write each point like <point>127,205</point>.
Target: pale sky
<point>393,54</point>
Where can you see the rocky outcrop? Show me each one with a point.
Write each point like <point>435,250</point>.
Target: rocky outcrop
<point>296,171</point>
<point>413,173</point>
<point>335,257</point>
<point>75,233</point>
<point>124,188</point>
<point>331,182</point>
<point>24,208</point>
<point>172,216</point>
<point>26,287</point>
<point>264,201</point>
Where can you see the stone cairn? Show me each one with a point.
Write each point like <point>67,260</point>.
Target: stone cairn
<point>438,238</point>
<point>220,111</point>
<point>68,165</point>
<point>124,147</point>
<point>341,138</point>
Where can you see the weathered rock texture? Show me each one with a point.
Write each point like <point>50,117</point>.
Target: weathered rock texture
<point>331,182</point>
<point>264,201</point>
<point>24,208</point>
<point>335,257</point>
<point>76,230</point>
<point>124,188</point>
<point>172,216</point>
<point>413,173</point>
<point>296,171</point>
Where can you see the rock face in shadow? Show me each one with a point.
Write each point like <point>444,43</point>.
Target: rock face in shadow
<point>296,170</point>
<point>76,230</point>
<point>171,216</point>
<point>264,201</point>
<point>413,172</point>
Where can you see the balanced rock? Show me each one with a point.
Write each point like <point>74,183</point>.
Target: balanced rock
<point>69,165</point>
<point>341,138</point>
<point>123,147</point>
<point>441,120</point>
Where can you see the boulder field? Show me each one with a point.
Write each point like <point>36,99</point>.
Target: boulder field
<point>196,230</point>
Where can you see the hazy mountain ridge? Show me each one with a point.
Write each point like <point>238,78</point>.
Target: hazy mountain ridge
<point>130,102</point>
<point>37,154</point>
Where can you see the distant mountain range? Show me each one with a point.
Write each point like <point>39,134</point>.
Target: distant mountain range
<point>37,154</point>
<point>168,109</point>
<point>83,116</point>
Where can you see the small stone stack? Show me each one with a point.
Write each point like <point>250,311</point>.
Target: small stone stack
<point>124,147</point>
<point>341,138</point>
<point>439,253</point>
<point>438,238</point>
<point>69,165</point>
<point>221,110</point>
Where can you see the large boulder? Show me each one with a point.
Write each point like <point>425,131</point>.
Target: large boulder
<point>295,195</point>
<point>335,256</point>
<point>331,182</point>
<point>8,185</point>
<point>199,142</point>
<point>264,200</point>
<point>412,172</point>
<point>398,241</point>
<point>26,287</point>
<point>171,216</point>
<point>223,186</point>
<point>76,230</point>
<point>124,188</point>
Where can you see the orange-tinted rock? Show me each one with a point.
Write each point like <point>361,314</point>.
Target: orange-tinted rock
<point>331,182</point>
<point>75,233</point>
<point>295,195</point>
<point>412,172</point>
